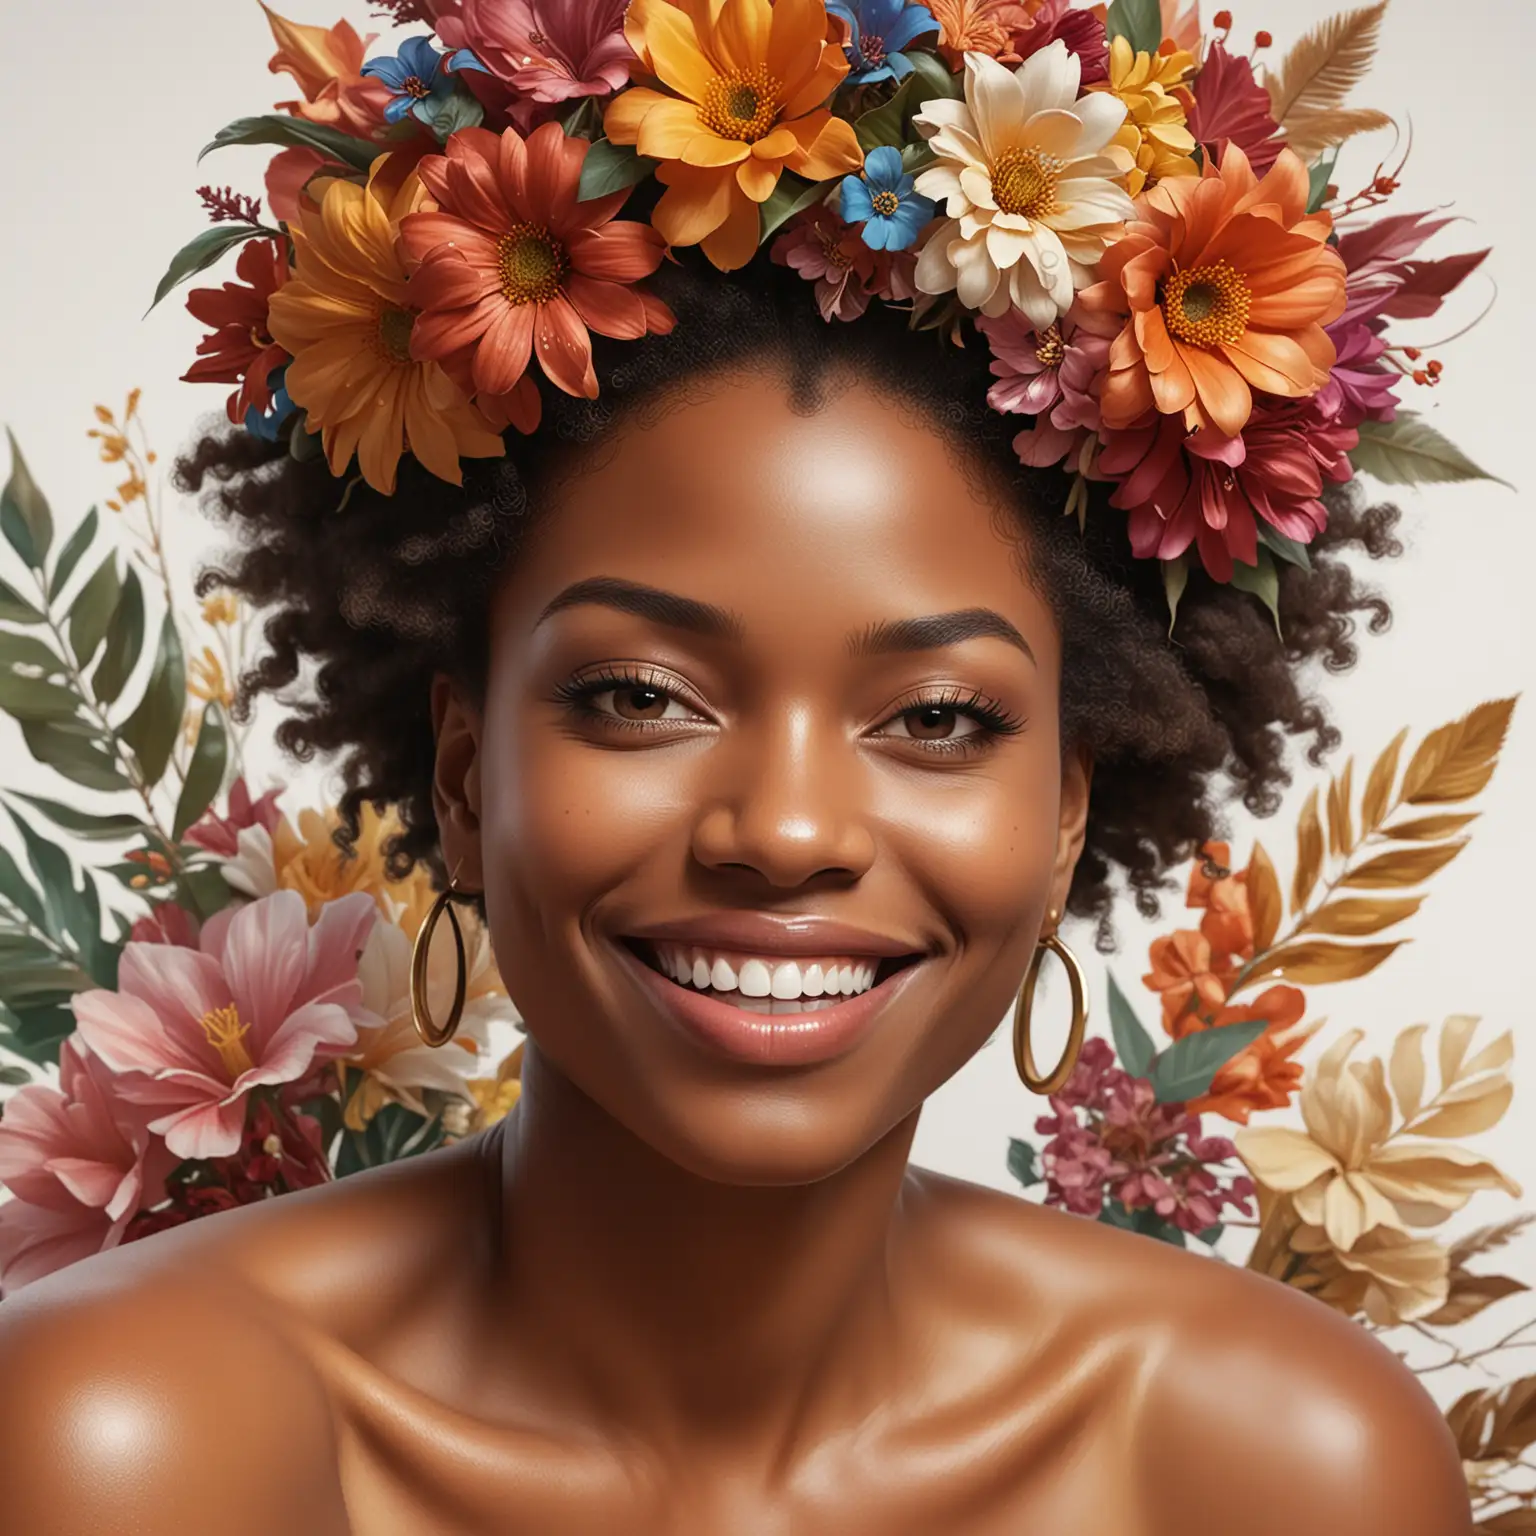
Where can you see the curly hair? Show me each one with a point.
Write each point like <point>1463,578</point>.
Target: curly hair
<point>372,595</point>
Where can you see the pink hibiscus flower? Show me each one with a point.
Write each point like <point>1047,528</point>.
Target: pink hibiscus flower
<point>1050,375</point>
<point>1212,491</point>
<point>81,1163</point>
<point>539,52</point>
<point>262,1001</point>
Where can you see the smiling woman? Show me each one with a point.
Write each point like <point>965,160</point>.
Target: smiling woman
<point>774,717</point>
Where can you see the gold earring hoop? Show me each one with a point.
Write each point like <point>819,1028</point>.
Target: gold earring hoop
<point>430,1032</point>
<point>1023,1056</point>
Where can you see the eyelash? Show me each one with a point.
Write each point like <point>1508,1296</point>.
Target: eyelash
<point>995,721</point>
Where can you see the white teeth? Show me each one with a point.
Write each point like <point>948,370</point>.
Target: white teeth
<point>764,980</point>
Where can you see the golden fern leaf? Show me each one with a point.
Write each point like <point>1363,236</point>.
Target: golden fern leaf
<point>1310,133</point>
<point>1402,866</point>
<point>1457,761</point>
<point>1265,903</point>
<point>1378,787</point>
<point>1326,64</point>
<point>1359,917</point>
<point>1312,963</point>
<point>1485,1239</point>
<point>1309,853</point>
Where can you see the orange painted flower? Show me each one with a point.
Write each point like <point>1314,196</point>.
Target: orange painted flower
<point>1228,922</point>
<point>347,319</point>
<point>1225,283</point>
<point>744,87</point>
<point>1265,1075</point>
<point>327,63</point>
<point>976,26</point>
<point>1192,980</point>
<point>513,267</point>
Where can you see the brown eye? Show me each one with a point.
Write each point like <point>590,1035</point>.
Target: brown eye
<point>640,703</point>
<point>931,722</point>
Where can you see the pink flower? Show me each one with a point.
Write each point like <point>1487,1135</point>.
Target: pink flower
<point>831,253</point>
<point>1110,1139</point>
<point>1211,491</point>
<point>166,923</point>
<point>1231,107</point>
<point>539,52</point>
<point>221,834</point>
<point>264,998</point>
<point>80,1162</point>
<point>1050,375</point>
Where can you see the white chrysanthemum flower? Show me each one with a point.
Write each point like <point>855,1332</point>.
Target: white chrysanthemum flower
<point>1027,175</point>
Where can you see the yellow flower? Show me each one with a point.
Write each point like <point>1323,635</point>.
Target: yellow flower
<point>743,98</point>
<point>1389,1276</point>
<point>345,317</point>
<point>495,1096</point>
<point>1346,1174</point>
<point>1156,102</point>
<point>306,859</point>
<point>221,608</point>
<point>206,680</point>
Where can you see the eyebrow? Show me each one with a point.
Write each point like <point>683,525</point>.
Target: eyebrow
<point>931,632</point>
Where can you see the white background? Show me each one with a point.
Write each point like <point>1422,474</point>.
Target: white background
<point>106,105</point>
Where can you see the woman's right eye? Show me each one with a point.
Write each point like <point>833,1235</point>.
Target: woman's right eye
<point>640,702</point>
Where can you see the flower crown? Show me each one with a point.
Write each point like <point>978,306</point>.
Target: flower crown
<point>1142,230</point>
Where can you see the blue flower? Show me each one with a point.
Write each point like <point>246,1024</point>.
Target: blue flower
<point>266,424</point>
<point>420,78</point>
<point>881,29</point>
<point>883,200</point>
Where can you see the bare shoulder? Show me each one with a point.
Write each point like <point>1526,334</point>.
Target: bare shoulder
<point>1263,1410</point>
<point>139,1399</point>
<point>170,1386</point>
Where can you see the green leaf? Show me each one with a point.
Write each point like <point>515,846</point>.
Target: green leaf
<point>35,698</point>
<point>1320,175</point>
<point>204,890</point>
<point>151,729</point>
<point>125,642</point>
<point>933,78</point>
<point>15,609</point>
<point>584,120</point>
<point>78,751</point>
<point>69,557</point>
<point>86,825</point>
<point>91,612</point>
<point>14,1077</point>
<point>1133,1045</point>
<point>1409,451</point>
<point>201,251</point>
<point>460,110</point>
<point>1175,579</point>
<point>887,123</point>
<point>17,889</point>
<point>37,1030</point>
<point>1147,1222</point>
<point>1187,1068</point>
<point>32,652</point>
<point>1139,22</point>
<point>392,1134</point>
<point>611,167</point>
<point>1211,1234</point>
<point>1263,580</point>
<point>917,157</point>
<point>1292,551</point>
<point>787,199</point>
<point>24,514</point>
<point>72,909</point>
<point>1023,1162</point>
<point>296,132</point>
<point>205,775</point>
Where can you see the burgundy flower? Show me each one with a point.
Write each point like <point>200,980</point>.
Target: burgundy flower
<point>1110,1139</point>
<point>1231,107</point>
<point>1081,31</point>
<point>220,835</point>
<point>1211,491</point>
<point>166,923</point>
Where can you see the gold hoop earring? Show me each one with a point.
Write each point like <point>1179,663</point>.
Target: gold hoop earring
<point>1023,1056</point>
<point>427,1029</point>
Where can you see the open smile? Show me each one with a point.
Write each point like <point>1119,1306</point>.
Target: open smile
<point>769,1009</point>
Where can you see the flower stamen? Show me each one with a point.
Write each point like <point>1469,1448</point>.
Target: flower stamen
<point>395,326</point>
<point>742,105</point>
<point>885,202</point>
<point>1050,349</point>
<point>1024,182</point>
<point>412,86</point>
<point>532,264</point>
<point>1207,306</point>
<point>226,1034</point>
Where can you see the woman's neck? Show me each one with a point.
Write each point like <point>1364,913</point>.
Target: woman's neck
<point>686,1311</point>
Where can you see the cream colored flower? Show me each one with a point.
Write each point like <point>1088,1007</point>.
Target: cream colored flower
<point>1154,132</point>
<point>1389,1276</point>
<point>1027,172</point>
<point>1346,1174</point>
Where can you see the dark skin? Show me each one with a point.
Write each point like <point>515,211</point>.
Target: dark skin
<point>676,1291</point>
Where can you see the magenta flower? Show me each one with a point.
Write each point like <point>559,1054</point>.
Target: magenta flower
<point>262,1001</point>
<point>1050,375</point>
<point>1110,1139</point>
<point>221,834</point>
<point>1213,491</point>
<point>539,51</point>
<point>829,252</point>
<point>80,1162</point>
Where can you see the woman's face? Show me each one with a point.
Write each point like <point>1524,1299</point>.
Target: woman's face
<point>759,675</point>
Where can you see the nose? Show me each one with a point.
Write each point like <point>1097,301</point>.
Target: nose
<point>788,802</point>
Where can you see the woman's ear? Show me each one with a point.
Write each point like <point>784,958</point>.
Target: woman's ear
<point>1076,785</point>
<point>456,723</point>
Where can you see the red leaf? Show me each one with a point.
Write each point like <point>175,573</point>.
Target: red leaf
<point>1426,283</point>
<point>1388,239</point>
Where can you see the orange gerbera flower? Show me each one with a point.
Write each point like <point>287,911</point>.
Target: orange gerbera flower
<point>346,318</point>
<point>743,99</point>
<point>510,256</point>
<point>1225,283</point>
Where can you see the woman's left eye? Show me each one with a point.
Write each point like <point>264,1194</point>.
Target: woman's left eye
<point>937,722</point>
<point>638,703</point>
